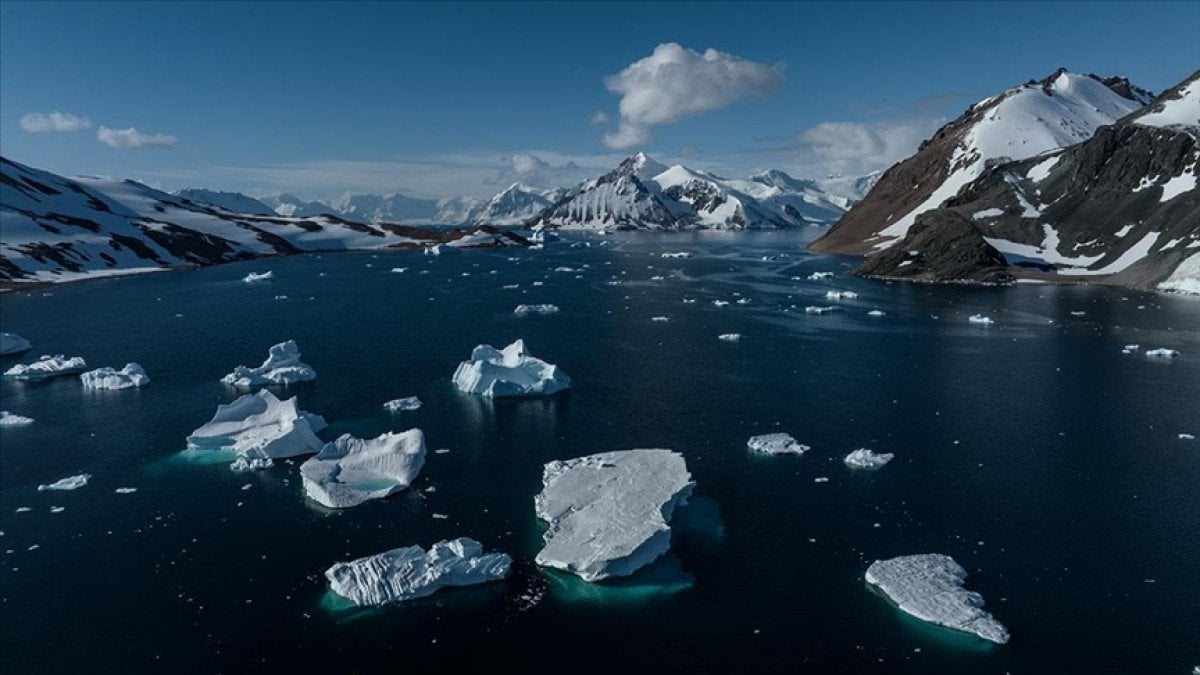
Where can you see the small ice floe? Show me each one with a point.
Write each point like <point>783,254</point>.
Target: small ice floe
<point>283,366</point>
<point>57,509</point>
<point>720,303</point>
<point>256,276</point>
<point>440,249</point>
<point>399,270</point>
<point>812,309</point>
<point>660,319</point>
<point>1162,353</point>
<point>609,514</point>
<point>442,451</point>
<point>817,276</point>
<point>70,483</point>
<point>821,479</point>
<point>875,312</point>
<point>125,490</point>
<point>402,404</point>
<point>259,426</point>
<point>1187,437</point>
<point>679,254</point>
<point>406,573</point>
<point>129,377</point>
<point>46,368</point>
<point>689,301</point>
<point>743,301</point>
<point>930,587</point>
<point>730,337</point>
<point>350,471</point>
<point>1078,313</point>
<point>1129,349</point>
<point>565,269</point>
<point>980,319</point>
<point>865,458</point>
<point>440,516</point>
<point>8,419</point>
<point>532,310</point>
<point>281,297</point>
<point>776,444</point>
<point>23,509</point>
<point>840,295</point>
<point>11,343</point>
<point>510,287</point>
<point>243,463</point>
<point>511,371</point>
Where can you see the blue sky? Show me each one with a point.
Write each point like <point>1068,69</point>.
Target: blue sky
<point>444,99</point>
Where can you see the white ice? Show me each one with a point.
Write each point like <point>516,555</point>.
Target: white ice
<point>129,377</point>
<point>402,404</point>
<point>865,458</point>
<point>930,587</point>
<point>46,367</point>
<point>350,471</point>
<point>406,573</point>
<point>8,419</point>
<point>980,319</point>
<point>70,483</point>
<point>511,371</point>
<point>531,310</point>
<point>258,276</point>
<point>283,366</point>
<point>776,444</point>
<point>260,426</point>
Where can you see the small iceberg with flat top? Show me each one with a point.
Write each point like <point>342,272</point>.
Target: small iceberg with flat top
<point>259,426</point>
<point>511,371</point>
<point>407,573</point>
<point>930,587</point>
<point>257,276</point>
<point>609,514</point>
<point>776,444</point>
<point>283,366</point>
<point>46,368</point>
<point>866,458</point>
<point>8,419</point>
<point>402,404</point>
<point>350,471</point>
<point>532,310</point>
<point>69,483</point>
<point>128,377</point>
<point>11,343</point>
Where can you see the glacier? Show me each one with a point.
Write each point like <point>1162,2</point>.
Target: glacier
<point>406,573</point>
<point>609,514</point>
<point>350,471</point>
<point>511,371</point>
<point>283,366</point>
<point>131,376</point>
<point>930,587</point>
<point>46,367</point>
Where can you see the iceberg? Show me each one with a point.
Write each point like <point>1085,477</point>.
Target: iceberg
<point>865,458</point>
<point>259,426</point>
<point>875,312</point>
<point>440,249</point>
<point>530,310</point>
<point>817,276</point>
<point>283,366</point>
<point>244,463</point>
<point>406,573</point>
<point>776,444</point>
<point>46,368</point>
<point>402,404</point>
<point>128,377</point>
<point>256,276</point>
<point>8,419</point>
<point>609,514</point>
<point>350,471</point>
<point>730,337</point>
<point>840,295</point>
<point>930,587</point>
<point>980,319</point>
<point>679,254</point>
<point>11,343</point>
<point>820,310</point>
<point>509,372</point>
<point>70,483</point>
<point>1163,353</point>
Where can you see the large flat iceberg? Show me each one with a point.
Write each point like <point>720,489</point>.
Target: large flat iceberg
<point>930,587</point>
<point>46,367</point>
<point>350,471</point>
<point>11,343</point>
<point>406,573</point>
<point>609,514</point>
<point>260,426</point>
<point>511,371</point>
<point>283,366</point>
<point>128,377</point>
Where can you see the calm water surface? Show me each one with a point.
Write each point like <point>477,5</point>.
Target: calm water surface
<point>1043,459</point>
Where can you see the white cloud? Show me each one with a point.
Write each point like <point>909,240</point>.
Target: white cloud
<point>855,148</point>
<point>132,138</point>
<point>38,123</point>
<point>599,117</point>
<point>674,82</point>
<point>524,163</point>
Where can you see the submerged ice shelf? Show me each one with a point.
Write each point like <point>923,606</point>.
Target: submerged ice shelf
<point>411,572</point>
<point>930,587</point>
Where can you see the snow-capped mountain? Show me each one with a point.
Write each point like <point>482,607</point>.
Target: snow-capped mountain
<point>390,208</point>
<point>1121,207</point>
<point>1028,120</point>
<point>514,205</point>
<point>846,191</point>
<point>457,210</point>
<point>235,202</point>
<point>291,206</point>
<point>644,194</point>
<point>59,229</point>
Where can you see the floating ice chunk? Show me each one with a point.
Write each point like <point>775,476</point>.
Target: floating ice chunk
<point>1162,353</point>
<point>283,366</point>
<point>46,367</point>
<point>565,269</point>
<point>660,319</point>
<point>244,463</point>
<point>720,303</point>
<point>609,513</point>
<point>406,573</point>
<point>259,426</point>
<point>256,276</point>
<point>350,471</point>
<point>743,301</point>
<point>817,276</point>
<point>865,458</point>
<point>509,372</point>
<point>821,479</point>
<point>531,310</point>
<point>980,319</point>
<point>875,312</point>
<point>930,587</point>
<point>402,404</point>
<point>680,254</point>
<point>730,337</point>
<point>70,483</point>
<point>8,419</point>
<point>1187,437</point>
<point>776,444</point>
<point>128,377</point>
<point>1129,349</point>
<point>399,270</point>
<point>820,310</point>
<point>840,295</point>
<point>11,343</point>
<point>1078,313</point>
<point>439,249</point>
<point>125,490</point>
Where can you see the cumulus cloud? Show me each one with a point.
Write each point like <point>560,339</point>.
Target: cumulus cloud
<point>675,82</point>
<point>132,138</point>
<point>853,148</point>
<point>40,123</point>
<point>599,117</point>
<point>525,164</point>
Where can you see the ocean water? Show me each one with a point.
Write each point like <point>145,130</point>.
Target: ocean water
<point>1034,451</point>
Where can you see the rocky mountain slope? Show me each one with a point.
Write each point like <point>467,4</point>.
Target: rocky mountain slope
<point>1022,122</point>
